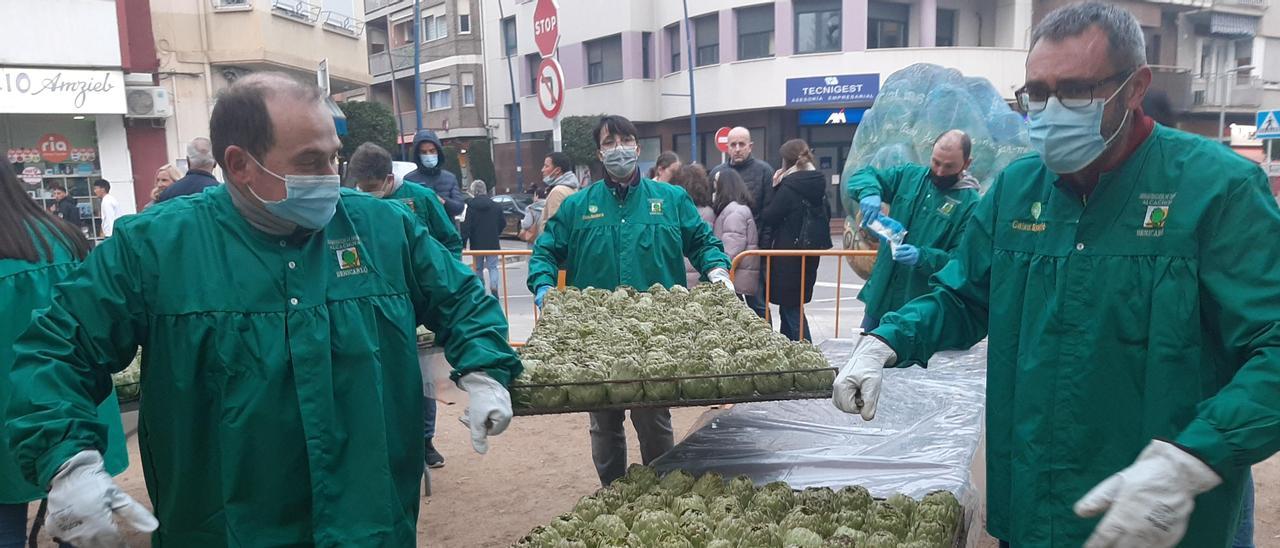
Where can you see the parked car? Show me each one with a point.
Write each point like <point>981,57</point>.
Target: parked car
<point>513,206</point>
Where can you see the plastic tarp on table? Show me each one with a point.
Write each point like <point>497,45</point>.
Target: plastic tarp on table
<point>926,436</point>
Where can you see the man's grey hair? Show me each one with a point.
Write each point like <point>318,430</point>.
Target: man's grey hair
<point>1126,49</point>
<point>478,188</point>
<point>200,154</point>
<point>369,163</point>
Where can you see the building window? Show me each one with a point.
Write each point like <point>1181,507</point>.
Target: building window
<point>646,51</point>
<point>464,24</point>
<point>438,94</point>
<point>706,37</point>
<point>817,25</point>
<point>402,33</point>
<point>946,36</point>
<point>604,60</point>
<point>1153,47</point>
<point>531,63</point>
<point>513,120</point>
<point>755,32</point>
<point>673,45</point>
<point>509,35</point>
<point>887,25</point>
<point>435,27</point>
<point>468,89</point>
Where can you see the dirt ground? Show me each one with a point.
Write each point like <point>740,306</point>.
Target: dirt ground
<point>540,466</point>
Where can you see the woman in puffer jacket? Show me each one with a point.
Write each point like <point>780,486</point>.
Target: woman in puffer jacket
<point>693,179</point>
<point>735,226</point>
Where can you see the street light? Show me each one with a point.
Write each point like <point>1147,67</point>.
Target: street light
<point>1222,109</point>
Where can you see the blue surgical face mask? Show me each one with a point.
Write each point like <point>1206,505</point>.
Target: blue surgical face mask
<point>309,201</point>
<point>429,160</point>
<point>1069,139</point>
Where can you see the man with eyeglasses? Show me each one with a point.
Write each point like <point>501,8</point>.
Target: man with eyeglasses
<point>629,231</point>
<point>1129,282</point>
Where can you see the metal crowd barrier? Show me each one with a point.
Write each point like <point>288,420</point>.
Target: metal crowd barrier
<point>804,254</point>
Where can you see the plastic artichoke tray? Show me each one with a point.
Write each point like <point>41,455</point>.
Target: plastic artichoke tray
<point>521,410</point>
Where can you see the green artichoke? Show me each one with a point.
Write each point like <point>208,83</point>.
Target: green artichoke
<point>734,387</point>
<point>855,498</point>
<point>822,499</point>
<point>732,529</point>
<point>815,381</point>
<point>625,392</point>
<point>764,535</point>
<point>850,518</point>
<point>721,543</point>
<point>772,504</point>
<point>903,503</point>
<point>677,482</point>
<point>588,508</point>
<point>657,500</point>
<point>709,486</point>
<point>541,537</point>
<point>629,512</point>
<point>688,501</point>
<point>723,507</point>
<point>651,525</point>
<point>881,539</point>
<point>801,538</point>
<point>697,532</point>
<point>743,488</point>
<point>642,475</point>
<point>888,519</point>
<point>804,517</point>
<point>612,526</point>
<point>567,525</point>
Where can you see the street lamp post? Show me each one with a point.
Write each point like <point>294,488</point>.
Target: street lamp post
<point>1222,108</point>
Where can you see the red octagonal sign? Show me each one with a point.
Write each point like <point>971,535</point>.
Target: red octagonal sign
<point>546,26</point>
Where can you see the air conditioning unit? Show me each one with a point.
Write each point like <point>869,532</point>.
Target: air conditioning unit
<point>148,102</point>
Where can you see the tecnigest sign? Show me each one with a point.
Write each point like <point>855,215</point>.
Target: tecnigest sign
<point>61,91</point>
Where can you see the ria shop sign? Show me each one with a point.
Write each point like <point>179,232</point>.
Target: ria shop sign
<point>841,89</point>
<point>57,91</point>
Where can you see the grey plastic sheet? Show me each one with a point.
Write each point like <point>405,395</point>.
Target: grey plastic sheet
<point>926,436</point>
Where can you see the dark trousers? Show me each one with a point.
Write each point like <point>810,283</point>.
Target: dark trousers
<point>789,318</point>
<point>13,526</point>
<point>609,439</point>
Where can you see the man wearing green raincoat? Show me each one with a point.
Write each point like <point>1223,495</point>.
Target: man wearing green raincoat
<point>625,230</point>
<point>1128,278</point>
<point>283,396</point>
<point>933,203</point>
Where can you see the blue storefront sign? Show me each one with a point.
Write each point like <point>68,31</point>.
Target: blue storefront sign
<point>839,89</point>
<point>831,116</point>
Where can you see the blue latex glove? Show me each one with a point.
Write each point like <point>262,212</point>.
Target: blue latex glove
<point>870,207</point>
<point>541,295</point>
<point>907,254</point>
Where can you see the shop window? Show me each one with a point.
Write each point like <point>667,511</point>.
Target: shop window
<point>887,25</point>
<point>755,32</point>
<point>817,25</point>
<point>706,37</point>
<point>646,52</point>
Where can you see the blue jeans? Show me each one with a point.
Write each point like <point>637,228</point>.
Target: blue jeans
<point>490,263</point>
<point>13,526</point>
<point>1244,532</point>
<point>789,317</point>
<point>756,302</point>
<point>428,418</point>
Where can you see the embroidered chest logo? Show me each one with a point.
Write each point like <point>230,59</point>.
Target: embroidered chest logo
<point>1155,214</point>
<point>593,212</point>
<point>948,208</point>
<point>655,206</point>
<point>1034,226</point>
<point>409,202</point>
<point>347,252</point>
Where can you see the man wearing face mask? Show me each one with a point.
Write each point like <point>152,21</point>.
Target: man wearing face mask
<point>278,313</point>
<point>625,230</point>
<point>933,203</point>
<point>431,174</point>
<point>370,168</point>
<point>1127,277</point>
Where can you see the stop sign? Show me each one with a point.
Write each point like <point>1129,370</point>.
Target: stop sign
<point>722,139</point>
<point>546,26</point>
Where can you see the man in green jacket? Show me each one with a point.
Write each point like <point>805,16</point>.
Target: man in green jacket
<point>283,396</point>
<point>371,170</point>
<point>625,230</point>
<point>1128,280</point>
<point>933,203</point>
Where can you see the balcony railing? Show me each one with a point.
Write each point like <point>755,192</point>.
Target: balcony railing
<point>341,23</point>
<point>231,5</point>
<point>298,10</point>
<point>371,5</point>
<point>1211,91</point>
<point>401,58</point>
<point>1175,82</point>
<point>1262,4</point>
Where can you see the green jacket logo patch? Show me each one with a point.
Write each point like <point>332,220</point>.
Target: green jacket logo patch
<point>1156,217</point>
<point>1036,209</point>
<point>948,208</point>
<point>655,206</point>
<point>348,258</point>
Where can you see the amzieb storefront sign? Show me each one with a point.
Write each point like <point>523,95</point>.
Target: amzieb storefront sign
<point>56,91</point>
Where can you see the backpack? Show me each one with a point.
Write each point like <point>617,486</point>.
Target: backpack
<point>815,226</point>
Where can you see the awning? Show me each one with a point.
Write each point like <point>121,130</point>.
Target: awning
<point>339,119</point>
<point>1230,24</point>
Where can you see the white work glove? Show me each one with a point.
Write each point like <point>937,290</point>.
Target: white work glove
<point>1149,503</point>
<point>721,276</point>
<point>489,411</point>
<point>857,387</point>
<point>85,505</point>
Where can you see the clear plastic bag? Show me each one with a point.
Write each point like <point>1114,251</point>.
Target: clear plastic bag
<point>888,230</point>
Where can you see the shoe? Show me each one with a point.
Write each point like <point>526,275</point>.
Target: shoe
<point>434,458</point>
